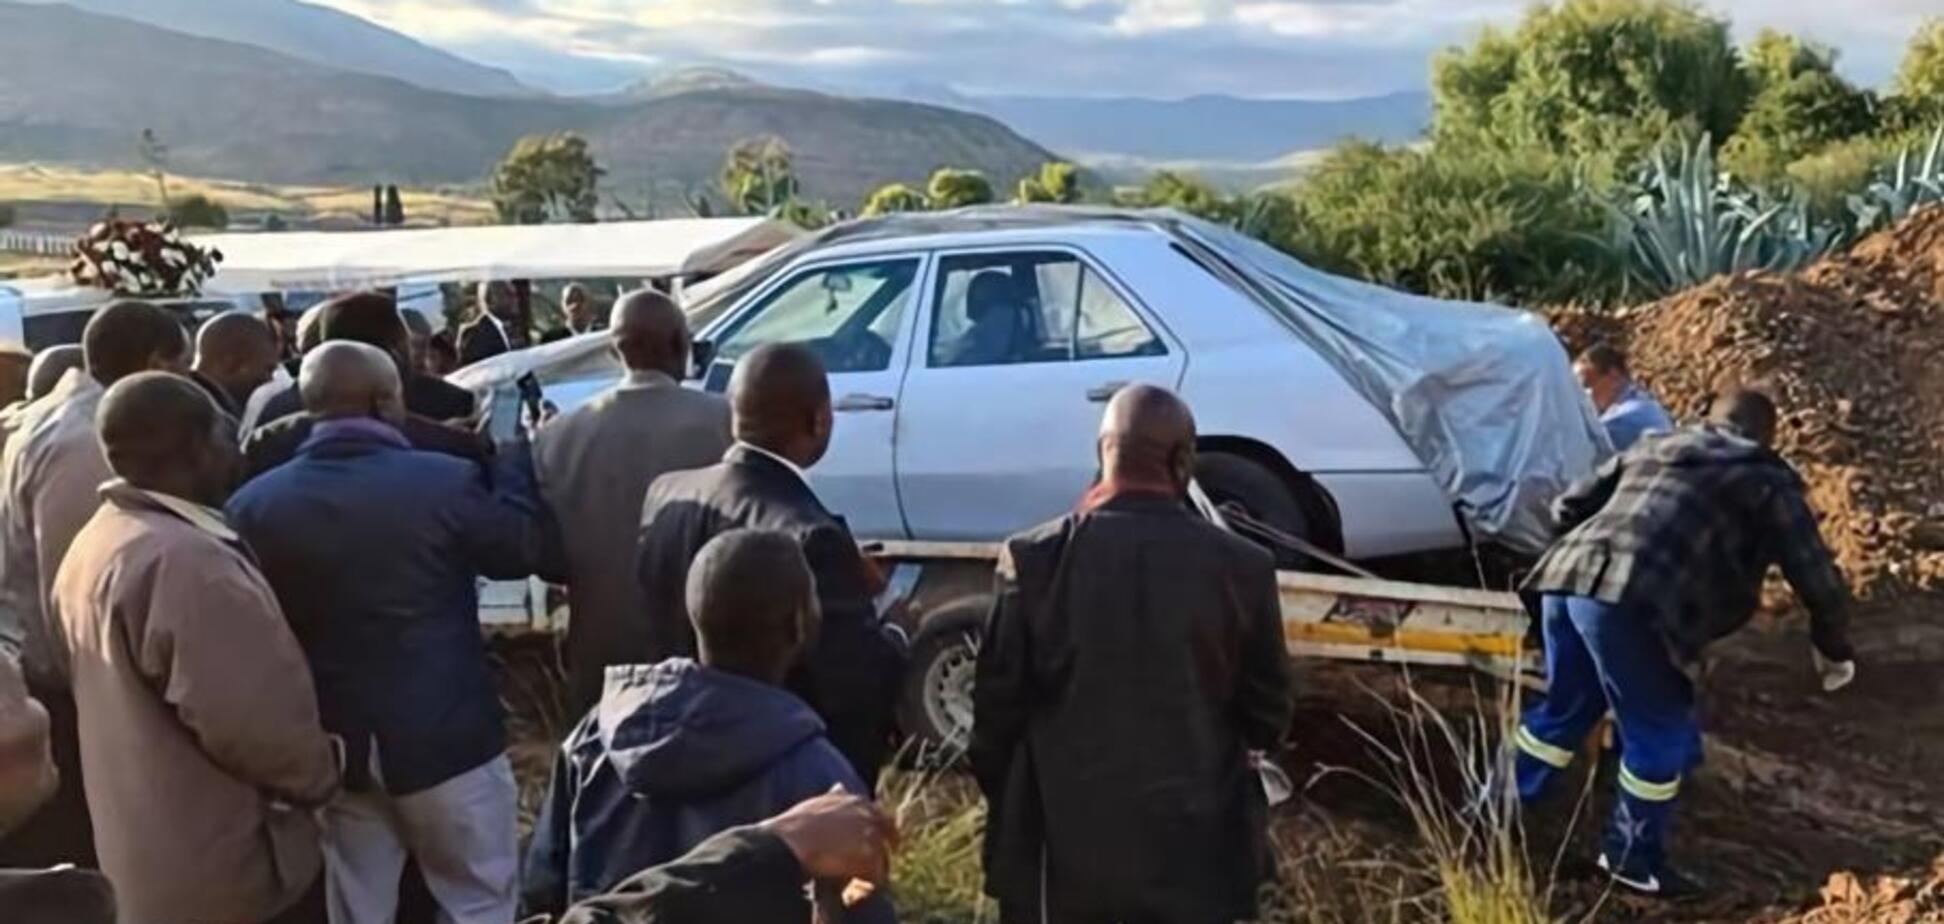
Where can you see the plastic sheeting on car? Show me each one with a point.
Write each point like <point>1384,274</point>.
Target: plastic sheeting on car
<point>1484,395</point>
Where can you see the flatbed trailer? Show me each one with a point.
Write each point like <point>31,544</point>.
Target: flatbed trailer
<point>942,591</point>
<point>939,594</point>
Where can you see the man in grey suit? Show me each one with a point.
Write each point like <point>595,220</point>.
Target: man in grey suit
<point>595,465</point>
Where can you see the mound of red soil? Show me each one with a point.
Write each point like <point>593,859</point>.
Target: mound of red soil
<point>1853,348</point>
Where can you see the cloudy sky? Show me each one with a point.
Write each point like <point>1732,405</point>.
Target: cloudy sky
<point>1166,48</point>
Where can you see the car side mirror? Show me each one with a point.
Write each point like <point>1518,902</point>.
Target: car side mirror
<point>701,356</point>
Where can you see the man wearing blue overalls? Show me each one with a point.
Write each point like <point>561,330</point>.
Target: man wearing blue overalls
<point>1664,550</point>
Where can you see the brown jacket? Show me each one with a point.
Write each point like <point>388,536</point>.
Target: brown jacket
<point>200,732</point>
<point>595,464</point>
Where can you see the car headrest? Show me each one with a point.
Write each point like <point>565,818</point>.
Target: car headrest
<point>991,291</point>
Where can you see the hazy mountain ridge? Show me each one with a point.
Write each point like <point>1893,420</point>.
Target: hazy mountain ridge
<point>317,34</point>
<point>78,87</point>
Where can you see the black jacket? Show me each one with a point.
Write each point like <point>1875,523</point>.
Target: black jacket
<point>427,396</point>
<point>741,876</point>
<point>1133,658</point>
<point>851,675</point>
<point>483,339</point>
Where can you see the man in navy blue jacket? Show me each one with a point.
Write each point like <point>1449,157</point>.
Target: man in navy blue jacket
<point>676,752</point>
<point>375,550</point>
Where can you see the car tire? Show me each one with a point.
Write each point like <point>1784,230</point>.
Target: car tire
<point>935,704</point>
<point>1262,494</point>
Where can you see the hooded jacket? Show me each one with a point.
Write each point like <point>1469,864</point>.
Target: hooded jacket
<point>673,754</point>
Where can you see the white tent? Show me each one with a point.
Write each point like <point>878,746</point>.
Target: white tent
<point>327,261</point>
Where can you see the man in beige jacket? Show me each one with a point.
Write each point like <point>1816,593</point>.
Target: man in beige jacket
<point>595,464</point>
<point>201,737</point>
<point>48,480</point>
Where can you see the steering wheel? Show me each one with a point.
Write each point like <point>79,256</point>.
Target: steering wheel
<point>862,352</point>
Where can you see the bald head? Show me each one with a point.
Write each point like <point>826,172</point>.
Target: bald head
<point>344,378</point>
<point>237,351</point>
<point>780,398</point>
<point>1148,435</point>
<point>50,365</point>
<point>753,603</point>
<point>161,432</point>
<point>1748,412</point>
<point>650,333</point>
<point>129,337</point>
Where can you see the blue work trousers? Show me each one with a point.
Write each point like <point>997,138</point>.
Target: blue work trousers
<point>1602,657</point>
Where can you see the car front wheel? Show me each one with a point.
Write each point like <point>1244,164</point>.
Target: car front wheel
<point>935,709</point>
<point>1243,485</point>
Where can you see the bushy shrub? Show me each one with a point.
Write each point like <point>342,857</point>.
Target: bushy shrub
<point>198,211</point>
<point>1488,225</point>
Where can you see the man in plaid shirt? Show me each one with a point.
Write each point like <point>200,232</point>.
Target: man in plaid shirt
<point>1664,551</point>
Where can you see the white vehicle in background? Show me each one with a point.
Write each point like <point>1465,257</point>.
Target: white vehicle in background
<point>970,354</point>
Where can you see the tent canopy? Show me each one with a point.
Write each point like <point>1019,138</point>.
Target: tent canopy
<point>328,261</point>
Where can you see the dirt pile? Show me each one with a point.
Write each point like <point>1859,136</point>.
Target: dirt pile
<point>1853,346</point>
<point>1850,899</point>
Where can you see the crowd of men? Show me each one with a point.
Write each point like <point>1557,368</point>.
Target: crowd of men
<point>241,671</point>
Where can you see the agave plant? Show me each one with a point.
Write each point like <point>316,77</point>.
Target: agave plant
<point>1680,222</point>
<point>1915,179</point>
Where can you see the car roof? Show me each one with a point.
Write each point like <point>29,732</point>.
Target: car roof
<point>984,226</point>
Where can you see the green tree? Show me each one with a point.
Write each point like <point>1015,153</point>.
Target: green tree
<point>893,198</point>
<point>198,211</point>
<point>1919,100</point>
<point>951,188</point>
<point>394,207</point>
<point>6,214</point>
<point>1057,182</point>
<point>1800,106</point>
<point>1166,189</point>
<point>1602,78</point>
<point>758,176</point>
<point>547,178</point>
<point>1477,225</point>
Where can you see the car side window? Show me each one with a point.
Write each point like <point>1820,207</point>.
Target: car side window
<point>848,314</point>
<point>1030,307</point>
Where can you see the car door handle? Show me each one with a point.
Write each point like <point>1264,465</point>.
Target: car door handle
<point>1103,393</point>
<point>849,403</point>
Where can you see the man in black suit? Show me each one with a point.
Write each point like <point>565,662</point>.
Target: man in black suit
<point>385,328</point>
<point>780,402</point>
<point>236,353</point>
<point>1133,659</point>
<point>498,329</point>
<point>372,319</point>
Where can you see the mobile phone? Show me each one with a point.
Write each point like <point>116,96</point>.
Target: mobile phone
<point>530,396</point>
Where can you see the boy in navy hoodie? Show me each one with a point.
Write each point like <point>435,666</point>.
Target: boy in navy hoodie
<point>678,751</point>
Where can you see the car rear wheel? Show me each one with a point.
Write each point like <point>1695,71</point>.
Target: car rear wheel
<point>1243,484</point>
<point>935,709</point>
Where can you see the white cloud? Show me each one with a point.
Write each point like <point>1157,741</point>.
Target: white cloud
<point>1108,47</point>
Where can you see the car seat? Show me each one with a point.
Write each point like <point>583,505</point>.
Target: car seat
<point>998,315</point>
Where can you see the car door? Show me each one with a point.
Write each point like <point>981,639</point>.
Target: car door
<point>857,316</point>
<point>1015,357</point>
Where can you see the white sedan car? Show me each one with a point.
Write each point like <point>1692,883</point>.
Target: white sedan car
<point>970,354</point>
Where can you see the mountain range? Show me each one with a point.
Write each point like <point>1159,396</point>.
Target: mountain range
<point>292,92</point>
<point>317,34</point>
<point>78,87</point>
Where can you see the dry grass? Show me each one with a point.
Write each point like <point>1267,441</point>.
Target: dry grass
<point>58,184</point>
<point>1463,860</point>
